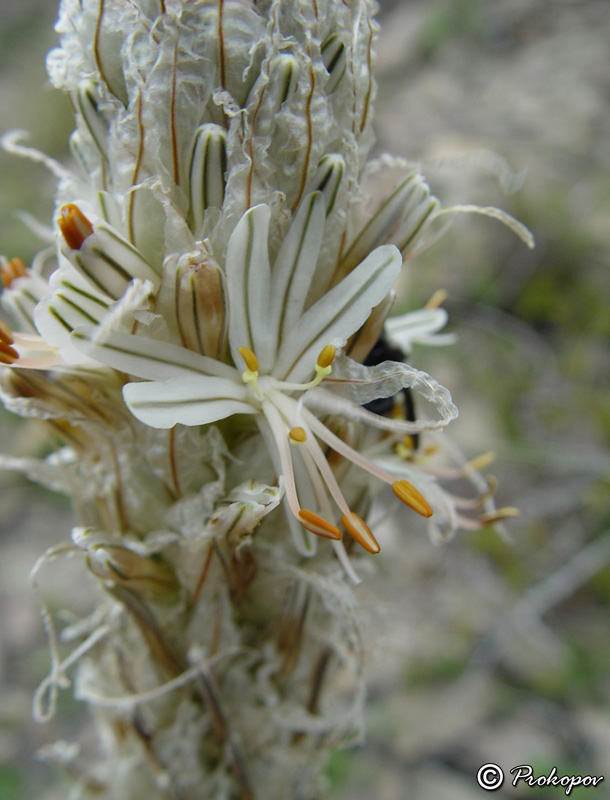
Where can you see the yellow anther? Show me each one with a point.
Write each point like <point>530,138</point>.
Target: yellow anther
<point>360,532</point>
<point>318,525</point>
<point>437,299</point>
<point>409,495</point>
<point>431,449</point>
<point>297,435</point>
<point>250,359</point>
<point>74,225</point>
<point>498,515</point>
<point>327,356</point>
<point>479,462</point>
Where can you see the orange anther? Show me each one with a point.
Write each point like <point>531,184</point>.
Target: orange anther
<point>318,525</point>
<point>6,335</point>
<point>409,495</point>
<point>11,270</point>
<point>8,354</point>
<point>360,531</point>
<point>74,225</point>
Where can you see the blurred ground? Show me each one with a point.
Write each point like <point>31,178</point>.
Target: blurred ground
<point>491,651</point>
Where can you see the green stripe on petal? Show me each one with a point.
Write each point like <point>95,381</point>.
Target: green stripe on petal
<point>248,280</point>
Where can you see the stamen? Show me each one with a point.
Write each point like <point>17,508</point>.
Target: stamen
<point>499,514</point>
<point>11,270</point>
<point>360,531</point>
<point>8,354</point>
<point>479,462</point>
<point>74,225</point>
<point>6,335</point>
<point>250,375</point>
<point>327,356</point>
<point>250,359</point>
<point>409,495</point>
<point>405,448</point>
<point>323,368</point>
<point>297,435</point>
<point>318,525</point>
<point>342,447</point>
<point>492,484</point>
<point>437,299</point>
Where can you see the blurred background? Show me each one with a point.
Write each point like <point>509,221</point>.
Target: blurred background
<point>491,650</point>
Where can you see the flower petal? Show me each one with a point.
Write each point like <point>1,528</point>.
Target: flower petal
<point>147,358</point>
<point>340,312</point>
<point>418,326</point>
<point>188,400</point>
<point>248,278</point>
<point>295,265</point>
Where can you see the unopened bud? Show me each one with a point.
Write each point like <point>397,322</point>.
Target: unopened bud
<point>101,255</point>
<point>144,575</point>
<point>328,178</point>
<point>11,270</point>
<point>284,75</point>
<point>207,172</point>
<point>74,226</point>
<point>398,220</point>
<point>334,57</point>
<point>201,307</point>
<point>87,103</point>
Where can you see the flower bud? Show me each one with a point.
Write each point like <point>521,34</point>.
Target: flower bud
<point>328,178</point>
<point>284,76</point>
<point>100,254</point>
<point>87,102</point>
<point>22,291</point>
<point>78,152</point>
<point>334,57</point>
<point>201,304</point>
<point>144,575</point>
<point>398,220</point>
<point>207,172</point>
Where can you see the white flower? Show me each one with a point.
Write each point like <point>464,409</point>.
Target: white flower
<point>282,350</point>
<point>418,327</point>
